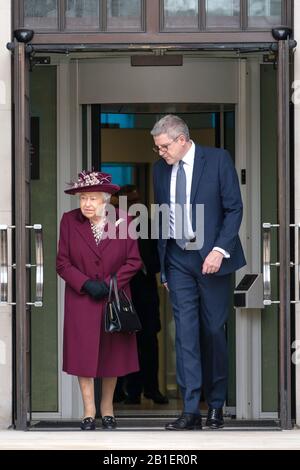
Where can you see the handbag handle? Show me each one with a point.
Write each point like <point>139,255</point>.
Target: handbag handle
<point>113,286</point>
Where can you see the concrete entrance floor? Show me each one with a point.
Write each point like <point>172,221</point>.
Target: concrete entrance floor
<point>150,440</point>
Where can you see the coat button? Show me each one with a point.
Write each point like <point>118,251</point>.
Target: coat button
<point>97,277</point>
<point>97,263</point>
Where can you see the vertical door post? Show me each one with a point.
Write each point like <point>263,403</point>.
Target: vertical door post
<point>21,188</point>
<point>283,162</point>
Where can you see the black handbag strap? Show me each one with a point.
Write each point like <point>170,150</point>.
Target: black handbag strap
<point>113,287</point>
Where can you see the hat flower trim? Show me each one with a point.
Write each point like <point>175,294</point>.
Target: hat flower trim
<point>91,178</point>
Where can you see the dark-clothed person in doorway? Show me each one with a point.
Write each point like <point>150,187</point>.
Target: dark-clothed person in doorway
<point>196,267</point>
<point>145,298</point>
<point>86,260</point>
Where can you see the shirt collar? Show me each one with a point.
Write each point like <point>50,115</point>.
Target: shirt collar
<point>188,158</point>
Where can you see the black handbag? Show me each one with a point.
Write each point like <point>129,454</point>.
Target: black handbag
<point>120,315</point>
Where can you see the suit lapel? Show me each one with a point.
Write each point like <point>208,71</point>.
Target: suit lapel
<point>168,173</point>
<point>110,229</point>
<point>199,164</point>
<point>84,228</point>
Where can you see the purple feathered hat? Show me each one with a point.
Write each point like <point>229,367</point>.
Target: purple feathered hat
<point>93,181</point>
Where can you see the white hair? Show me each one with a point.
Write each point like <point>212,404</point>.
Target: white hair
<point>106,197</point>
<point>171,125</point>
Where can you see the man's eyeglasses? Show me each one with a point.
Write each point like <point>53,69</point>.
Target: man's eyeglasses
<point>163,148</point>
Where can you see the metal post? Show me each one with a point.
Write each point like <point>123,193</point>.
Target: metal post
<point>283,162</point>
<point>21,369</point>
<point>21,130</point>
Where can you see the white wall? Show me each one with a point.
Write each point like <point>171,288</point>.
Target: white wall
<point>297,183</point>
<point>5,207</point>
<point>110,80</point>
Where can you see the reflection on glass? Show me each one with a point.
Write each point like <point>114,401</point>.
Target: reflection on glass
<point>264,13</point>
<point>40,14</point>
<point>121,173</point>
<point>181,14</point>
<point>82,14</point>
<point>223,14</point>
<point>124,15</point>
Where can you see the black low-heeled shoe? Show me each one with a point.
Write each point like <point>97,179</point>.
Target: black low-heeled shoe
<point>109,422</point>
<point>88,424</point>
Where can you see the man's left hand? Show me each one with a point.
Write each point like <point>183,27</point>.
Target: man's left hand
<point>212,262</point>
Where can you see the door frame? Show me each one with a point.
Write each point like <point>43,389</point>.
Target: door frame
<point>21,307</point>
<point>248,338</point>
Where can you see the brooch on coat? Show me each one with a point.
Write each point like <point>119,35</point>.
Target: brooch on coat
<point>119,221</point>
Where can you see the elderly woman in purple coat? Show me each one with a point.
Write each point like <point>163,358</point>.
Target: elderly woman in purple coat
<point>86,260</point>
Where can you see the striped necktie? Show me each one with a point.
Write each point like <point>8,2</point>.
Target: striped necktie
<point>181,210</point>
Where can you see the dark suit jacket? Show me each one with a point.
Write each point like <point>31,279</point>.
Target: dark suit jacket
<point>215,185</point>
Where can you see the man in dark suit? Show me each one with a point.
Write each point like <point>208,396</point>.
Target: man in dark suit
<point>197,262</point>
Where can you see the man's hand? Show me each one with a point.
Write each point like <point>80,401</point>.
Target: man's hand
<point>165,284</point>
<point>212,262</point>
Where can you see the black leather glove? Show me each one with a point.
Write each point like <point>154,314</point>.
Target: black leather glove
<point>96,289</point>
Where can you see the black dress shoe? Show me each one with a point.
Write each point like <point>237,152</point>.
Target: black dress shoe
<point>119,396</point>
<point>215,418</point>
<point>157,397</point>
<point>88,424</point>
<point>109,422</point>
<point>132,400</point>
<point>185,422</point>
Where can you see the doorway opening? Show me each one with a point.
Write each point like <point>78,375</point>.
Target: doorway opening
<point>116,137</point>
<point>125,151</point>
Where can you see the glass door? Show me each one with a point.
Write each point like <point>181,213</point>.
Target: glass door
<point>27,260</point>
<point>43,207</point>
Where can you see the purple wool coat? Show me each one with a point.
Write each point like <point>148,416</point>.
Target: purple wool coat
<point>89,351</point>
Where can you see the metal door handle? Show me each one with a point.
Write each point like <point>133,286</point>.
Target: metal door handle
<point>39,271</point>
<point>39,257</point>
<point>4,264</point>
<point>267,263</point>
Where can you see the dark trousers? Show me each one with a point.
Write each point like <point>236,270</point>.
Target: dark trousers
<point>200,308</point>
<point>147,378</point>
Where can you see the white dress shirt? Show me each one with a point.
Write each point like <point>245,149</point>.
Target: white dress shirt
<point>188,167</point>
